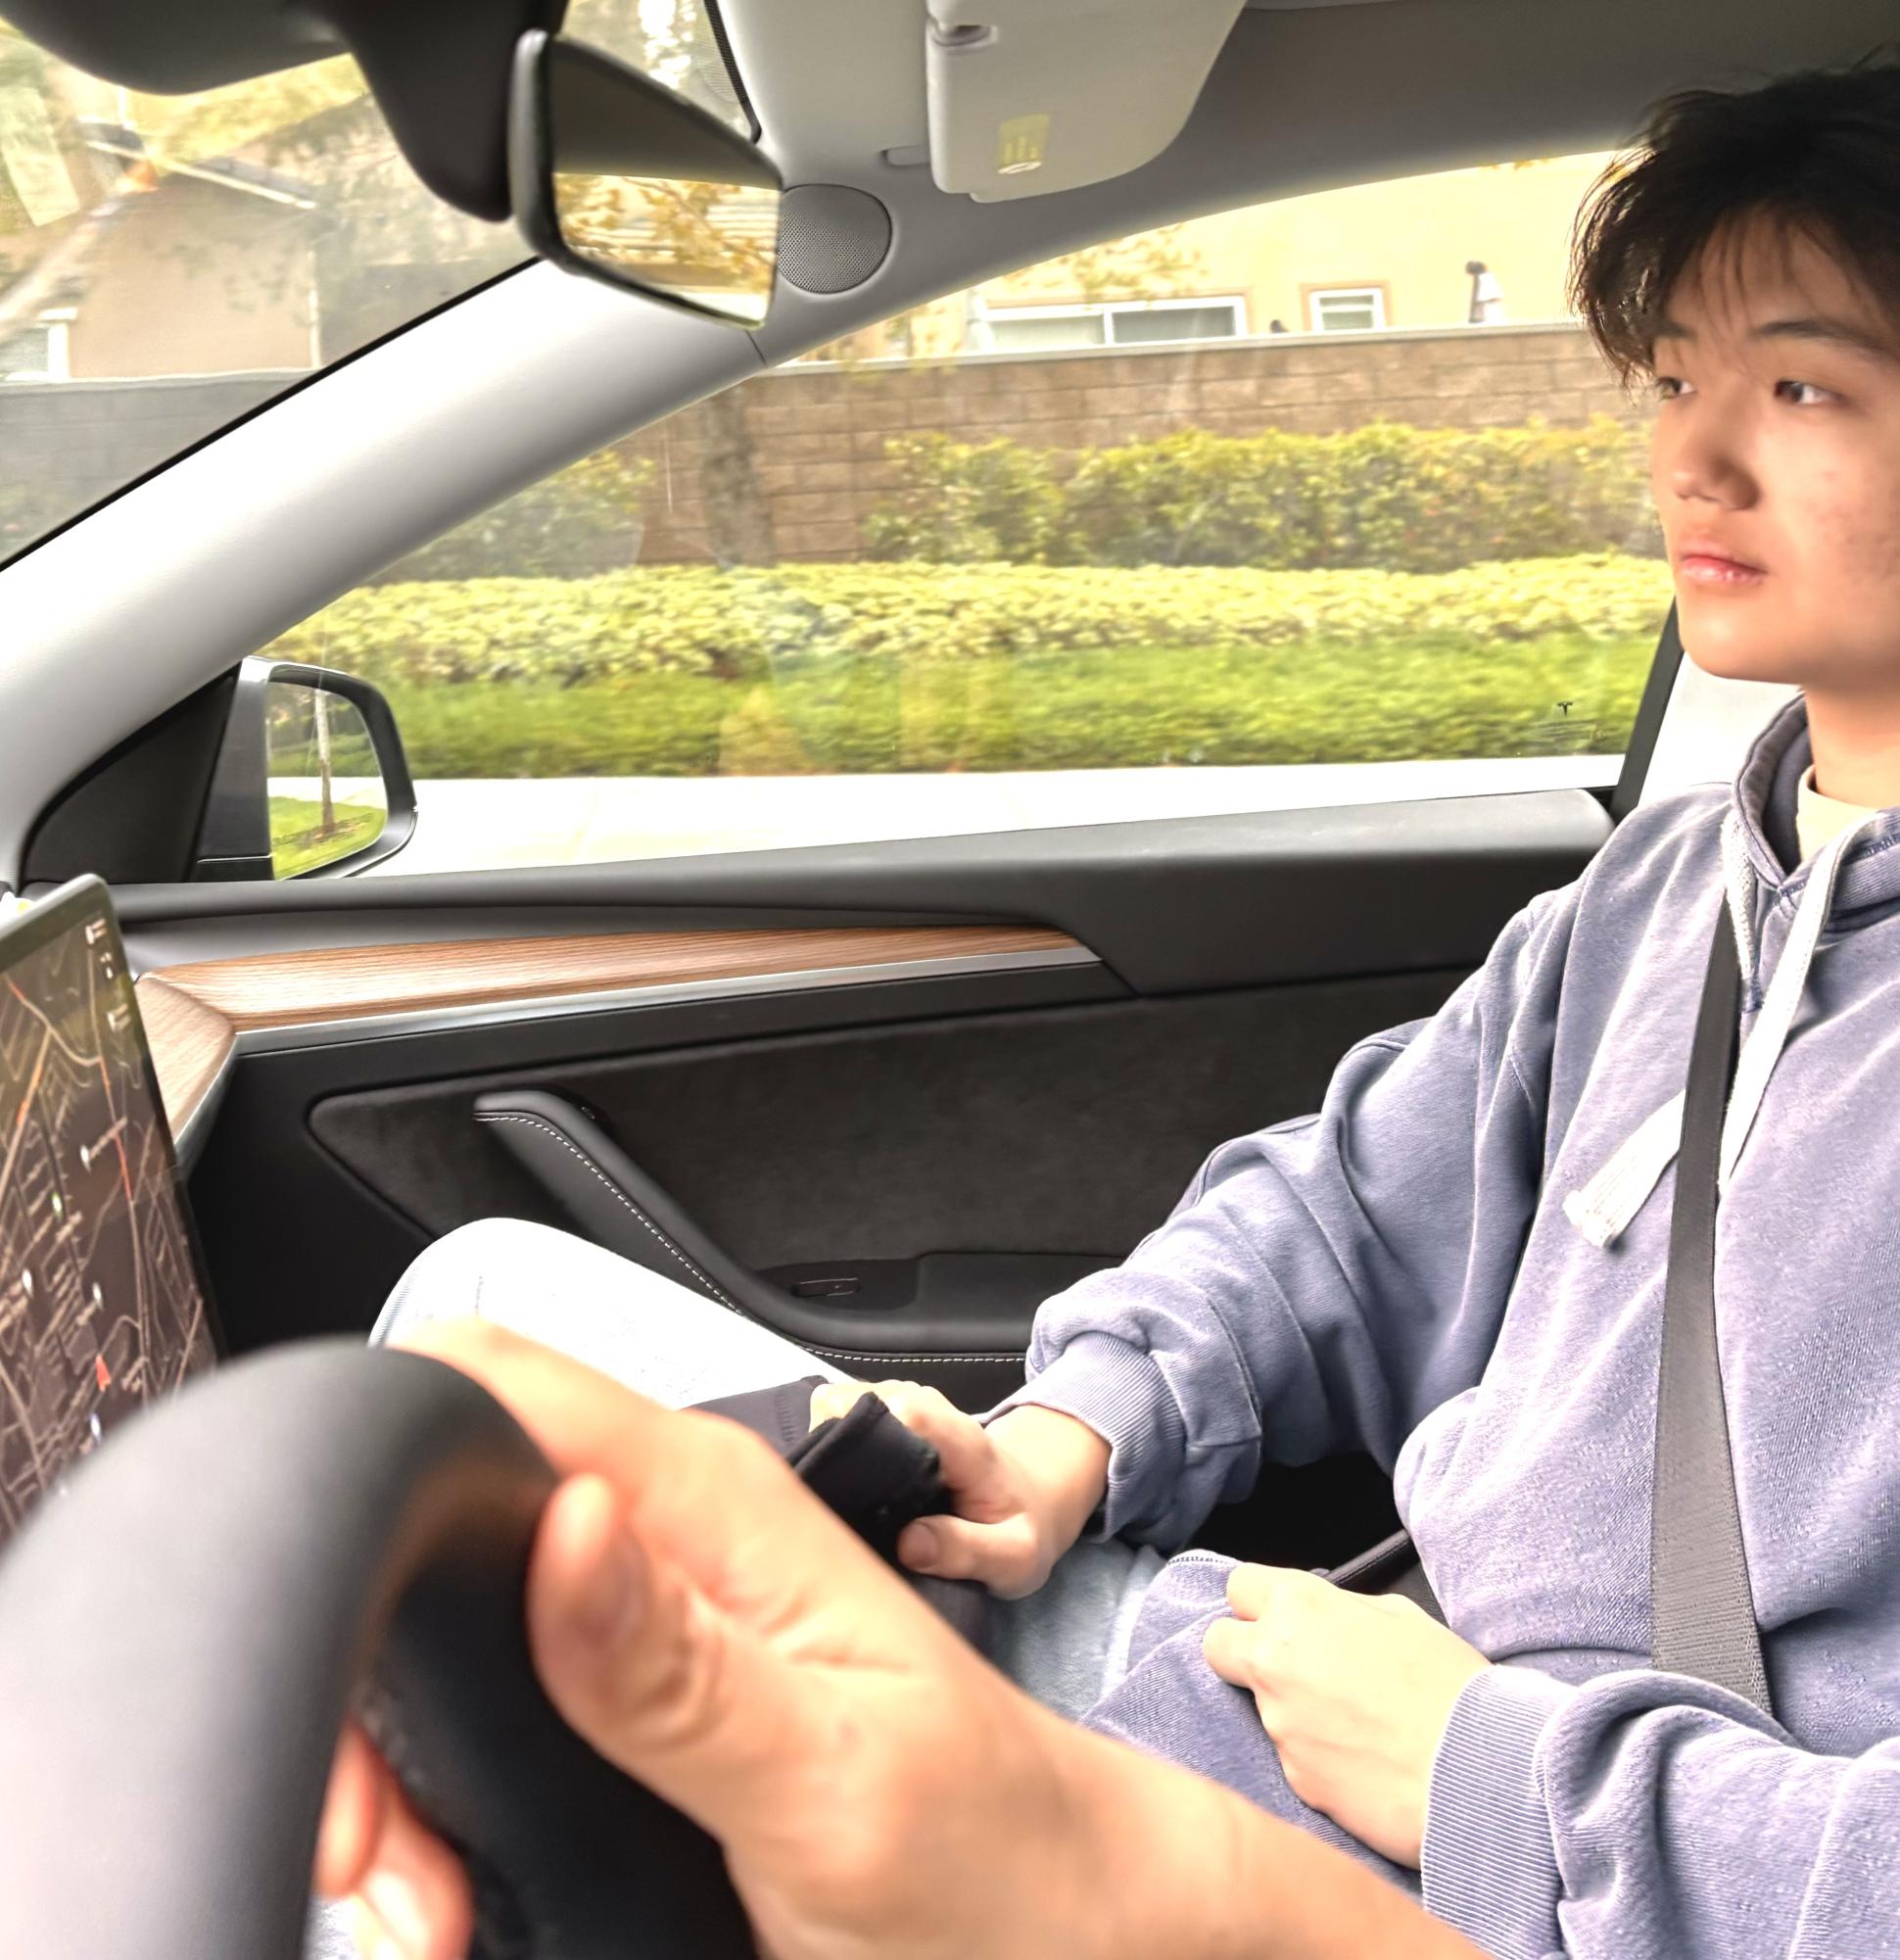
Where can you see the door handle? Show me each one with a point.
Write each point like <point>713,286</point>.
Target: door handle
<point>609,1199</point>
<point>615,1203</point>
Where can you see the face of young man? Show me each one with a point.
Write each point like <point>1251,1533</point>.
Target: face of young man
<point>1775,467</point>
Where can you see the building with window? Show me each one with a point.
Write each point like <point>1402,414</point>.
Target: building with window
<point>1368,257</point>
<point>257,260</point>
<point>39,351</point>
<point>123,260</point>
<point>1018,329</point>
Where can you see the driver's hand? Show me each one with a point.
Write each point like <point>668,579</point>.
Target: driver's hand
<point>1022,1488</point>
<point>708,1626</point>
<point>881,1792</point>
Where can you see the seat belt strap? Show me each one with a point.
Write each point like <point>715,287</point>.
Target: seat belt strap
<point>1701,1606</point>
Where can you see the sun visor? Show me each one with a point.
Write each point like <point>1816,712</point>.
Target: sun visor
<point>1032,96</point>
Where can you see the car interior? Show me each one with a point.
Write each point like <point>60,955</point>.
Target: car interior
<point>886,1096</point>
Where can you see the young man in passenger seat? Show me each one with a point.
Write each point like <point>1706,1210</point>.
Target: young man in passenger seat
<point>1457,1265</point>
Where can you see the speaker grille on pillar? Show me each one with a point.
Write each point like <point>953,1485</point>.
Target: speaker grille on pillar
<point>832,237</point>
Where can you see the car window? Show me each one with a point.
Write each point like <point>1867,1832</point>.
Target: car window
<point>169,262</point>
<point>1324,501</point>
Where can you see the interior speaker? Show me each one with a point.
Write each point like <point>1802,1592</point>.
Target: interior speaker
<point>832,237</point>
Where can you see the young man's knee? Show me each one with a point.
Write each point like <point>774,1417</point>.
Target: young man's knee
<point>449,1276</point>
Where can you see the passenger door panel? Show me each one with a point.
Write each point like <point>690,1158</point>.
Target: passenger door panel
<point>958,1071</point>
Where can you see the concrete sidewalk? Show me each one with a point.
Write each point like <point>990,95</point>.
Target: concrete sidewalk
<point>485,825</point>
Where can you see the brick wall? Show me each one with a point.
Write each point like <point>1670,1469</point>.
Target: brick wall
<point>818,432</point>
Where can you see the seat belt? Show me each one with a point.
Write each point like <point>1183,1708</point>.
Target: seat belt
<point>870,1469</point>
<point>1702,1612</point>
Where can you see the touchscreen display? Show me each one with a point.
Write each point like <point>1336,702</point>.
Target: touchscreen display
<point>101,1304</point>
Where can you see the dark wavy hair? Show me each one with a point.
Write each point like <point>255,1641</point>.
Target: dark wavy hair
<point>1814,156</point>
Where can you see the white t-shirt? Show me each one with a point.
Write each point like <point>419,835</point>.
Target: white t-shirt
<point>1819,819</point>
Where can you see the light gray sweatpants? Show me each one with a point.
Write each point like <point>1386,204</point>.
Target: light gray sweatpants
<point>1066,1645</point>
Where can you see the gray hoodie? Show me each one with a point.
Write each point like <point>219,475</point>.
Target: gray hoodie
<point>1457,1265</point>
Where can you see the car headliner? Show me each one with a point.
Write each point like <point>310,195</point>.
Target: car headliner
<point>181,575</point>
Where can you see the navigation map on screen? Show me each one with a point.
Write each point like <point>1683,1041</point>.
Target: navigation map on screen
<point>101,1308</point>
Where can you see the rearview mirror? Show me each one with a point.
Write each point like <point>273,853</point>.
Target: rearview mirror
<point>615,176</point>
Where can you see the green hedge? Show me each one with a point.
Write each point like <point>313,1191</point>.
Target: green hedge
<point>1387,496</point>
<point>739,624</point>
<point>1094,709</point>
<point>577,522</point>
<point>973,503</point>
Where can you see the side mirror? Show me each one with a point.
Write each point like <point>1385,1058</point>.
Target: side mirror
<point>310,779</point>
<point>615,176</point>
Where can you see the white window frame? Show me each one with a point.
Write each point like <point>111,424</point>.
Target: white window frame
<point>56,323</point>
<point>1359,296</point>
<point>1107,310</point>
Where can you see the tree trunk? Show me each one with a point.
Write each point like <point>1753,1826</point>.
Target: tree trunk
<point>320,708</point>
<point>738,517</point>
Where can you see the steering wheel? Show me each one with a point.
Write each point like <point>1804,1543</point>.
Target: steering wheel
<point>184,1628</point>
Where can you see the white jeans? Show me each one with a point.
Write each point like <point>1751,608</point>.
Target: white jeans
<point>1066,1645</point>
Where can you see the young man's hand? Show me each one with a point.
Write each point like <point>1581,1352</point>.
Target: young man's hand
<point>1022,1488</point>
<point>1355,1690</point>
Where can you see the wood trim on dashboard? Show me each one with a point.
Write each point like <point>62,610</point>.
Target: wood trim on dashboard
<point>190,1043</point>
<point>353,983</point>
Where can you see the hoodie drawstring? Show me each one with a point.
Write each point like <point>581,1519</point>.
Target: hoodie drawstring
<point>1604,1208</point>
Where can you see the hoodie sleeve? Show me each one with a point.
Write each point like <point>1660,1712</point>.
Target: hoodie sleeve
<point>1651,1813</point>
<point>1325,1283</point>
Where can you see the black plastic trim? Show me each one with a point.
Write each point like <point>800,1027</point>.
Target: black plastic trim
<point>135,813</point>
<point>531,160</point>
<point>613,1202</point>
<point>1651,711</point>
<point>440,70</point>
<point>1172,905</point>
<point>723,41</point>
<point>234,842</point>
<point>263,1142</point>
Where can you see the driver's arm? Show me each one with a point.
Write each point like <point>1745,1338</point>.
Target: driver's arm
<point>877,1788</point>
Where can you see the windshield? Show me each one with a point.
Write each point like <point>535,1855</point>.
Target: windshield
<point>169,262</point>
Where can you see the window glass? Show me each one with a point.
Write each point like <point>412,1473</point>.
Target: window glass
<point>1024,329</point>
<point>1008,561</point>
<point>33,352</point>
<point>1136,324</point>
<point>173,260</point>
<point>1358,309</point>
